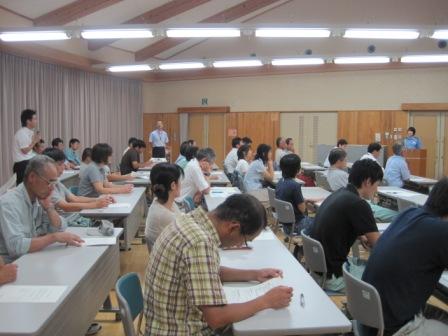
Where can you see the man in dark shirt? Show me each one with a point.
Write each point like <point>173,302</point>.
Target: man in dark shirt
<point>343,217</point>
<point>131,159</point>
<point>407,263</point>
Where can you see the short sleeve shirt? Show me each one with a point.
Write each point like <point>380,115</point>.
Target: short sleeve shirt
<point>193,180</point>
<point>397,171</point>
<point>183,274</point>
<point>92,173</point>
<point>158,138</point>
<point>60,193</point>
<point>72,156</point>
<point>290,191</point>
<point>337,178</point>
<point>231,160</point>
<point>342,217</point>
<point>23,139</point>
<point>254,176</point>
<point>242,167</point>
<point>126,161</point>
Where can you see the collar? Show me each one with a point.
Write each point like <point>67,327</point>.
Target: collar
<point>201,217</point>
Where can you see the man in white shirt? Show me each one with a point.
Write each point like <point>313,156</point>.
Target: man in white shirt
<point>231,159</point>
<point>158,139</point>
<point>342,143</point>
<point>373,152</point>
<point>280,151</point>
<point>195,181</point>
<point>24,141</point>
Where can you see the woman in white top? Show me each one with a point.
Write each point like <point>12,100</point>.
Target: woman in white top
<point>260,170</point>
<point>165,185</point>
<point>244,157</point>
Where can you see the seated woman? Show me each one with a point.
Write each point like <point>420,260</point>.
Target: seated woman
<point>244,154</point>
<point>93,181</point>
<point>165,185</point>
<point>289,190</point>
<point>261,170</point>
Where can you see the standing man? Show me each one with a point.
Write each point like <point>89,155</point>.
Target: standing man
<point>158,139</point>
<point>24,141</point>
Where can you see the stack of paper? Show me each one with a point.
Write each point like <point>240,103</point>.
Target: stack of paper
<point>245,294</point>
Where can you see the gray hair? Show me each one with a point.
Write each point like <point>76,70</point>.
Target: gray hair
<point>397,148</point>
<point>38,164</point>
<point>206,153</point>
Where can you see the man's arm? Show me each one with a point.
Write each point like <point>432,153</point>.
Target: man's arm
<point>228,274</point>
<point>26,149</point>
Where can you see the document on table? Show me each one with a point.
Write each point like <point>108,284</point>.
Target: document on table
<point>245,294</point>
<point>119,205</point>
<point>30,294</point>
<point>97,241</point>
<point>401,193</point>
<point>222,192</point>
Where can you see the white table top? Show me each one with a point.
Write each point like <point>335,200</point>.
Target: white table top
<point>403,194</point>
<point>311,167</point>
<point>315,192</point>
<point>424,181</point>
<point>319,315</point>
<point>68,174</point>
<point>278,176</point>
<point>222,178</point>
<point>131,199</point>
<point>218,195</point>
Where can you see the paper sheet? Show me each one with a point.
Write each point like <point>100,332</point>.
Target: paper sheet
<point>382,226</point>
<point>96,241</point>
<point>119,205</point>
<point>245,294</point>
<point>30,294</point>
<point>222,192</point>
<point>403,193</point>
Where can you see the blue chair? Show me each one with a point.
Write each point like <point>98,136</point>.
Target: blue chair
<point>130,301</point>
<point>74,190</point>
<point>188,204</point>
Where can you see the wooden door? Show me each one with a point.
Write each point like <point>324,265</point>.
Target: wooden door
<point>426,124</point>
<point>216,137</point>
<point>196,128</point>
<point>445,145</point>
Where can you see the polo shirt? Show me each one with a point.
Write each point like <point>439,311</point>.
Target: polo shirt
<point>254,176</point>
<point>126,161</point>
<point>396,171</point>
<point>242,167</point>
<point>342,217</point>
<point>279,153</point>
<point>158,138</point>
<point>20,221</point>
<point>183,274</point>
<point>406,264</point>
<point>89,175</point>
<point>290,191</point>
<point>337,178</point>
<point>412,142</point>
<point>231,160</point>
<point>71,156</point>
<point>193,180</point>
<point>22,139</point>
<point>181,161</point>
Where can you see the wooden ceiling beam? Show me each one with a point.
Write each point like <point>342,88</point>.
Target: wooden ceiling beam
<point>154,16</point>
<point>228,15</point>
<point>73,11</point>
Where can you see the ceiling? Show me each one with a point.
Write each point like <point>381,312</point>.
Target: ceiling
<point>322,13</point>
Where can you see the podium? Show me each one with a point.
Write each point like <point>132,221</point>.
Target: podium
<point>416,159</point>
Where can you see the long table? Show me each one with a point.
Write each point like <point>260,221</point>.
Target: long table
<point>132,214</point>
<point>319,315</point>
<point>220,180</point>
<point>404,198</point>
<point>218,195</point>
<point>315,192</point>
<point>70,178</point>
<point>89,274</point>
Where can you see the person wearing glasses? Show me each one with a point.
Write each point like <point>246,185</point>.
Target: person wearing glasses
<point>23,226</point>
<point>184,293</point>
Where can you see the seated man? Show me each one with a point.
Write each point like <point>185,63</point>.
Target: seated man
<point>68,204</point>
<point>406,265</point>
<point>184,293</point>
<point>373,152</point>
<point>195,182</point>
<point>130,162</point>
<point>342,143</point>
<point>343,217</point>
<point>71,154</point>
<point>280,151</point>
<point>23,228</point>
<point>397,170</point>
<point>231,159</point>
<point>181,160</point>
<point>8,273</point>
<point>337,178</point>
<point>130,142</point>
<point>289,190</point>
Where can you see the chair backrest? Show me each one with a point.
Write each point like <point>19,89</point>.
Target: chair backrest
<point>314,254</point>
<point>271,196</point>
<point>321,181</point>
<point>130,301</point>
<point>188,204</point>
<point>74,190</point>
<point>11,183</point>
<point>363,301</point>
<point>239,181</point>
<point>285,211</point>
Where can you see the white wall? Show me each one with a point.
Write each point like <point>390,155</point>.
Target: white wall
<point>331,91</point>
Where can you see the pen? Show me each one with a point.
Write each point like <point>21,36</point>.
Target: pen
<point>302,300</point>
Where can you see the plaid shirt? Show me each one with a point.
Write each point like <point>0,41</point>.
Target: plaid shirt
<point>183,274</point>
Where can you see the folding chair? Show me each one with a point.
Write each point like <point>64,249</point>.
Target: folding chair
<point>130,301</point>
<point>286,216</point>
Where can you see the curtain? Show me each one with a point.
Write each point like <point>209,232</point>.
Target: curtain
<point>69,103</point>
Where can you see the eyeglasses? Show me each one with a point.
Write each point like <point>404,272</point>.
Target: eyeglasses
<point>50,183</point>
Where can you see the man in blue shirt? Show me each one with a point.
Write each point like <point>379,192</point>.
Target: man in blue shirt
<point>397,170</point>
<point>70,153</point>
<point>411,141</point>
<point>158,139</point>
<point>406,264</point>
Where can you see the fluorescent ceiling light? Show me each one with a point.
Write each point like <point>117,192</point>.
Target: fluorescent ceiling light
<point>116,33</point>
<point>405,34</point>
<point>183,65</point>
<point>33,36</point>
<point>237,63</point>
<point>424,59</point>
<point>292,32</point>
<point>362,60</point>
<point>440,34</point>
<point>297,61</point>
<point>129,68</point>
<point>203,32</point>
